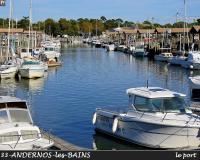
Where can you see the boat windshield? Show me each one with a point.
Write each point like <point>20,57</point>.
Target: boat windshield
<point>172,104</point>
<point>3,117</point>
<point>49,49</point>
<point>31,63</point>
<point>19,116</point>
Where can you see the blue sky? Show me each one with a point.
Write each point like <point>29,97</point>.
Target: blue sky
<point>163,11</point>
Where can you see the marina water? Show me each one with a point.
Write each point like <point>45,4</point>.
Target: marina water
<point>64,101</point>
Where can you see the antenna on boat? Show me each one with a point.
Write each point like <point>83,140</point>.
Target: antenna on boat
<point>147,74</point>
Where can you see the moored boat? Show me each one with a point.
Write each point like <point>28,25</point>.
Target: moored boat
<point>110,47</point>
<point>32,69</point>
<point>155,118</point>
<point>18,132</point>
<point>163,57</point>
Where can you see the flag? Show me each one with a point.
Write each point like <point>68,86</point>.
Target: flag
<point>2,2</point>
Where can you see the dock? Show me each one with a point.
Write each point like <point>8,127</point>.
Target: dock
<point>63,145</point>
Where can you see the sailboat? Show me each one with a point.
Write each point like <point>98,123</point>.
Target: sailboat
<point>10,68</point>
<point>165,54</point>
<point>31,68</point>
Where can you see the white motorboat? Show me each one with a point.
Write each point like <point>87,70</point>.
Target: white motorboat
<point>121,48</point>
<point>110,47</point>
<point>139,51</point>
<point>10,68</point>
<point>156,118</point>
<point>51,52</point>
<point>163,57</point>
<point>17,129</point>
<point>32,69</point>
<point>8,71</point>
<point>193,61</point>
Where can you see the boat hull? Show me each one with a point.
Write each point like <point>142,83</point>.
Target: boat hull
<point>161,59</point>
<point>8,73</point>
<point>149,135</point>
<point>110,48</point>
<point>139,54</point>
<point>31,73</point>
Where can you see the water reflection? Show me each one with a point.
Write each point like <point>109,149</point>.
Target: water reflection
<point>105,142</point>
<point>33,85</point>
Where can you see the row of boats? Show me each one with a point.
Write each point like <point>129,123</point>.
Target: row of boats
<point>18,131</point>
<point>32,63</point>
<point>190,60</point>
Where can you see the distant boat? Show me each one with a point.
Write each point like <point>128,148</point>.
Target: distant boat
<point>121,48</point>
<point>163,57</point>
<point>192,61</point>
<point>17,129</point>
<point>53,63</point>
<point>139,51</point>
<point>155,118</point>
<point>110,47</point>
<point>51,52</point>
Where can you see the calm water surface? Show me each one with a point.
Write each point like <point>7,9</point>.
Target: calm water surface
<point>65,99</point>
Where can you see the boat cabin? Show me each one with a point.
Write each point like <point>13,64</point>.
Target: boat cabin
<point>13,110</point>
<point>166,54</point>
<point>156,99</point>
<point>25,52</point>
<point>49,48</point>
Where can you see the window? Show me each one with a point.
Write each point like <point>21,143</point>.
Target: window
<point>29,134</point>
<point>9,137</point>
<point>174,104</point>
<point>20,116</point>
<point>24,50</point>
<point>157,104</point>
<point>3,117</point>
<point>17,105</point>
<point>143,104</point>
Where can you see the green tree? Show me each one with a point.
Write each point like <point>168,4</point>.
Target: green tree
<point>23,23</point>
<point>103,18</point>
<point>178,25</point>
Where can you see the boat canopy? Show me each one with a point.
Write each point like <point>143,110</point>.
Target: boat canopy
<point>153,92</point>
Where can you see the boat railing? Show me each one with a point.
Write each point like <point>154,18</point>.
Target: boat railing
<point>42,134</point>
<point>112,111</point>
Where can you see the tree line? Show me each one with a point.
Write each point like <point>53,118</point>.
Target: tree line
<point>85,26</point>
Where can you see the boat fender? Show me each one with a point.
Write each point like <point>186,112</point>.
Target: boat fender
<point>191,66</point>
<point>94,118</point>
<point>115,124</point>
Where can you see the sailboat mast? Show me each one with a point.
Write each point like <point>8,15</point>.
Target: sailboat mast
<point>10,14</point>
<point>96,28</point>
<point>184,25</point>
<point>30,23</point>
